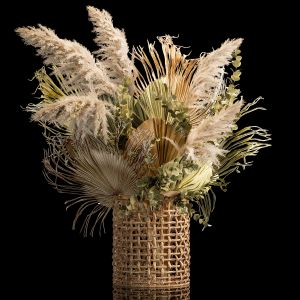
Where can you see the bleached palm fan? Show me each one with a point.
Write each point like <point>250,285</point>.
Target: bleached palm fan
<point>167,129</point>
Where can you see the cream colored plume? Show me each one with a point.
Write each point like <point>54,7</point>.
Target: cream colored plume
<point>208,153</point>
<point>113,50</point>
<point>209,74</point>
<point>211,131</point>
<point>82,115</point>
<point>71,59</point>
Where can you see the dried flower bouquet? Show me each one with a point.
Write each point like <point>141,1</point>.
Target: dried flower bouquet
<point>137,131</point>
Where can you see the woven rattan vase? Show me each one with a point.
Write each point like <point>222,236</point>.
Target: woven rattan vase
<point>151,249</point>
<point>182,293</point>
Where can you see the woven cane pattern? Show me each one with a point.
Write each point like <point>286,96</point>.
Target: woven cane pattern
<point>120,293</point>
<point>151,249</point>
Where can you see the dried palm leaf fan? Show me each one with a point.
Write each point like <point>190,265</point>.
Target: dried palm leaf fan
<point>151,143</point>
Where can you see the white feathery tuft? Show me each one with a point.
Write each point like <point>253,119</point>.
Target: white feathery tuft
<point>207,153</point>
<point>71,59</point>
<point>114,49</point>
<point>210,70</point>
<point>82,115</point>
<point>211,131</point>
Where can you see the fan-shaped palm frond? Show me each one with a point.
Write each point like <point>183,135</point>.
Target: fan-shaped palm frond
<point>175,70</point>
<point>168,142</point>
<point>91,169</point>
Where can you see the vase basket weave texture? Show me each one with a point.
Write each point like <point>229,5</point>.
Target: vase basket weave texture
<point>151,249</point>
<point>121,293</point>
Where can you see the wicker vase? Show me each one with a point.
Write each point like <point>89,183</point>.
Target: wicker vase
<point>182,293</point>
<point>151,250</point>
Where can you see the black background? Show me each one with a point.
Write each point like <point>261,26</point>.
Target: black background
<point>238,255</point>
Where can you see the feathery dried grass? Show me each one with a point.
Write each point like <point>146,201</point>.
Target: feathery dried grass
<point>203,140</point>
<point>207,152</point>
<point>113,51</point>
<point>81,115</point>
<point>80,70</point>
<point>209,74</point>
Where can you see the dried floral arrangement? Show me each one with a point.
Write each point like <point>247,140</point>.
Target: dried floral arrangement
<point>142,129</point>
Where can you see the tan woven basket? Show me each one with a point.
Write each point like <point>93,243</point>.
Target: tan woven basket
<point>151,250</point>
<point>120,293</point>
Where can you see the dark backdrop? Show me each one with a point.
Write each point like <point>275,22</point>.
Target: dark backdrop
<point>236,255</point>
